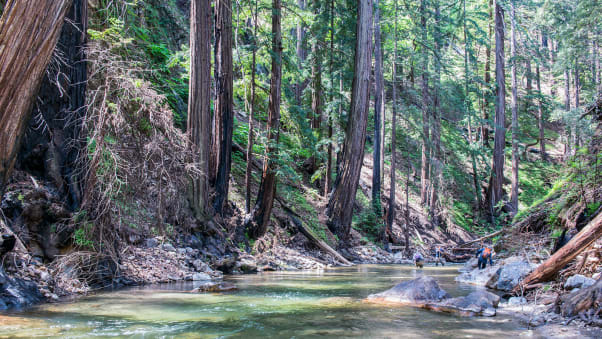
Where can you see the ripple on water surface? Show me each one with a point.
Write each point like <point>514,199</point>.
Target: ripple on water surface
<point>300,304</point>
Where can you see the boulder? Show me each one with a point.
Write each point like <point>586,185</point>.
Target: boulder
<point>477,276</point>
<point>201,276</point>
<point>477,303</point>
<point>414,292</point>
<point>578,281</point>
<point>469,265</point>
<point>17,293</point>
<point>586,300</point>
<point>247,265</point>
<point>517,301</point>
<point>169,248</point>
<point>200,266</point>
<point>152,242</point>
<point>510,274</point>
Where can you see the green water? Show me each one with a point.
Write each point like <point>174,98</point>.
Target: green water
<point>302,304</point>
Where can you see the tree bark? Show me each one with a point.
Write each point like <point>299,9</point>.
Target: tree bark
<point>257,223</point>
<point>223,117</point>
<point>487,92</point>
<point>436,165</point>
<point>379,107</point>
<point>424,179</point>
<point>340,205</point>
<point>496,182</point>
<point>515,155</point>
<point>199,114</point>
<point>301,53</point>
<point>251,133</point>
<point>29,31</point>
<point>567,107</point>
<point>393,183</point>
<point>327,180</point>
<point>562,257</point>
<point>540,117</point>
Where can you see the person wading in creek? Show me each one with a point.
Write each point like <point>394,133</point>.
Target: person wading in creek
<point>484,253</point>
<point>439,256</point>
<point>418,259</point>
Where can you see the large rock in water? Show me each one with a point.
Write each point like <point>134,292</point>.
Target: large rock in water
<point>476,303</point>
<point>424,292</point>
<point>414,292</point>
<point>17,293</point>
<point>587,300</point>
<point>503,275</point>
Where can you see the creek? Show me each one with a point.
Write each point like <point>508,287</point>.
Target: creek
<point>287,304</point>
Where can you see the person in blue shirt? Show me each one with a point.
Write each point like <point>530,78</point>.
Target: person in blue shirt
<point>418,259</point>
<point>484,254</point>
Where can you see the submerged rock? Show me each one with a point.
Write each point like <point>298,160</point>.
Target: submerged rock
<point>200,276</point>
<point>476,303</point>
<point>418,291</point>
<point>211,286</point>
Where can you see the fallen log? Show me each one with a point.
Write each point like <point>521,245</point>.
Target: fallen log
<point>310,236</point>
<point>482,238</point>
<point>563,256</point>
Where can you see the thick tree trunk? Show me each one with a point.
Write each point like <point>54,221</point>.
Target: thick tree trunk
<point>393,183</point>
<point>199,114</point>
<point>487,92</point>
<point>257,222</point>
<point>567,107</point>
<point>340,205</point>
<point>251,133</point>
<point>29,31</point>
<point>576,131</point>
<point>540,117</point>
<point>515,155</point>
<point>327,180</point>
<point>223,118</point>
<point>562,257</point>
<point>379,108</point>
<point>496,183</point>
<point>424,172</point>
<point>406,231</point>
<point>597,79</point>
<point>301,54</point>
<point>551,70</point>
<point>63,94</point>
<point>316,93</point>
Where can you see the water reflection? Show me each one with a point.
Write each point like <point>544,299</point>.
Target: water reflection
<point>297,304</point>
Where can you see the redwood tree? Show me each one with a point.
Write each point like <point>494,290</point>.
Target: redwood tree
<point>379,108</point>
<point>251,134</point>
<point>424,172</point>
<point>514,193</point>
<point>340,205</point>
<point>496,182</point>
<point>391,209</point>
<point>223,118</point>
<point>199,115</point>
<point>257,223</point>
<point>29,31</point>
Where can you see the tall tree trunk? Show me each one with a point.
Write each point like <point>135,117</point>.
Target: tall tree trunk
<point>301,53</point>
<point>393,183</point>
<point>436,165</point>
<point>468,110</point>
<point>327,181</point>
<point>597,79</point>
<point>340,205</point>
<point>515,155</point>
<point>487,92</point>
<point>251,134</point>
<point>576,132</point>
<point>406,231</point>
<point>379,107</point>
<point>496,183</point>
<point>29,31</point>
<point>257,223</point>
<point>424,179</point>
<point>567,107</point>
<point>199,114</point>
<point>61,106</point>
<point>540,117</point>
<point>223,117</point>
<point>551,70</point>
<point>316,97</point>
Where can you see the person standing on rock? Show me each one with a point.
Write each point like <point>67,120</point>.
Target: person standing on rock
<point>418,259</point>
<point>485,253</point>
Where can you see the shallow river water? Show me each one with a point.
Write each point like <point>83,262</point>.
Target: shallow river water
<point>294,304</point>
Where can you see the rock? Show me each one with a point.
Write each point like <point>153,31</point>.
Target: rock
<point>169,248</point>
<point>578,281</point>
<point>17,293</point>
<point>537,320</point>
<point>200,266</point>
<point>214,287</point>
<point>510,274</point>
<point>181,251</point>
<point>415,292</point>
<point>152,242</point>
<point>477,276</point>
<point>516,301</point>
<point>44,276</point>
<point>581,301</point>
<point>201,277</point>
<point>476,303</point>
<point>469,265</point>
<point>247,266</point>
